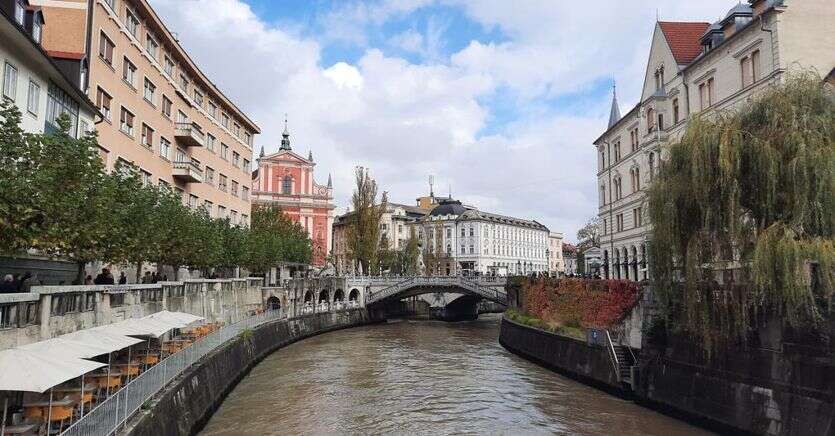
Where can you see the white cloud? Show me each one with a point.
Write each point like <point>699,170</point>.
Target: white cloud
<point>407,121</point>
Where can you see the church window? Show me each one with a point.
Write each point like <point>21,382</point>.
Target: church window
<point>287,185</point>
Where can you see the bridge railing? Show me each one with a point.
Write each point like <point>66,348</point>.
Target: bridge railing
<point>485,287</point>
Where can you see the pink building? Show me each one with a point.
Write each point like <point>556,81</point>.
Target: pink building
<point>285,179</point>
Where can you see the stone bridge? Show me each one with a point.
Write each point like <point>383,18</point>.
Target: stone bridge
<point>323,294</point>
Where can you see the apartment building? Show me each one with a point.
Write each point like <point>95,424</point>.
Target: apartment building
<point>695,67</point>
<point>161,112</point>
<point>32,80</point>
<point>556,262</point>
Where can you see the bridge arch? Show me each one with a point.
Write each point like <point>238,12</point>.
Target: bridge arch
<point>273,303</point>
<point>354,295</point>
<point>324,295</point>
<point>339,295</point>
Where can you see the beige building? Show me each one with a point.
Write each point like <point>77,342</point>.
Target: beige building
<point>161,112</point>
<point>556,263</point>
<point>695,67</point>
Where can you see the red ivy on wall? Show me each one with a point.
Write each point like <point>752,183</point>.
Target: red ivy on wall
<point>580,303</point>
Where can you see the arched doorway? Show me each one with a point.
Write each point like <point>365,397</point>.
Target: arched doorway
<point>354,295</point>
<point>273,303</point>
<point>324,296</point>
<point>339,295</point>
<point>308,297</point>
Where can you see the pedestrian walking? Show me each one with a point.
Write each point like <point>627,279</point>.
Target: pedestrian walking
<point>123,279</point>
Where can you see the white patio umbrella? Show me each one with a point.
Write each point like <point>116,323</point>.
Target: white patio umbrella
<point>31,371</point>
<point>106,338</point>
<point>67,347</point>
<point>138,327</point>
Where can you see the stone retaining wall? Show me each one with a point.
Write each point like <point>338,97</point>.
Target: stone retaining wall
<point>577,359</point>
<point>187,404</point>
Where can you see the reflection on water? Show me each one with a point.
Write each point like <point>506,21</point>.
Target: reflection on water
<point>421,377</point>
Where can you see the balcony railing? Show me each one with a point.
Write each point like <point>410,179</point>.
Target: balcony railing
<point>188,172</point>
<point>189,134</point>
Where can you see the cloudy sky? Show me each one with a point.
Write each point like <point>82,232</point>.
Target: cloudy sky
<point>499,100</point>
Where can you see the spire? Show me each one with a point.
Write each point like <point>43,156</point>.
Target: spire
<point>285,137</point>
<point>262,152</point>
<point>310,155</point>
<point>614,115</point>
<point>330,182</point>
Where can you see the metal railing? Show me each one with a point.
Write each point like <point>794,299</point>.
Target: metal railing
<point>115,411</point>
<point>613,355</point>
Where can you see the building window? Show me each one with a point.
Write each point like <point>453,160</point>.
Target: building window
<point>150,90</point>
<point>212,110</point>
<point>706,94</point>
<point>210,176</point>
<point>247,139</point>
<point>636,217</point>
<point>619,222</point>
<point>208,206</point>
<point>246,165</point>
<point>60,103</point>
<point>192,201</point>
<point>463,232</point>
<point>36,30</point>
<point>169,66</point>
<point>198,98</point>
<point>106,48</point>
<point>617,151</point>
<point>651,166</point>
<point>287,185</point>
<point>166,106</point>
<point>234,190</point>
<point>128,72</point>
<point>660,121</point>
<point>10,81</point>
<point>103,102</point>
<point>224,120</point>
<point>34,98</point>
<point>245,193</point>
<point>675,111</point>
<point>236,159</point>
<point>126,122</point>
<point>19,9</point>
<point>146,178</point>
<point>184,83</point>
<point>210,143</point>
<point>755,65</point>
<point>237,130</point>
<point>221,212</point>
<point>618,191</point>
<point>224,151</point>
<point>602,158</point>
<point>650,120</point>
<point>181,156</point>
<point>636,179</point>
<point>164,148</point>
<point>605,226</point>
<point>147,136</point>
<point>233,217</point>
<point>151,46</point>
<point>602,195</point>
<point>222,183</point>
<point>131,23</point>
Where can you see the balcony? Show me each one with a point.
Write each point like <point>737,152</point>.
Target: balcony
<point>188,172</point>
<point>189,134</point>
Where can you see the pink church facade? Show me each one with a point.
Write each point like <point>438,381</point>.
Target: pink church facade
<point>287,180</point>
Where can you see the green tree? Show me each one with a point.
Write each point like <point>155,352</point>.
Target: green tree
<point>749,195</point>
<point>273,237</point>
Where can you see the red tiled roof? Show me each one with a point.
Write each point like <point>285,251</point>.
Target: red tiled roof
<point>683,38</point>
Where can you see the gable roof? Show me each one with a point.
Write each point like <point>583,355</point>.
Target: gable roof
<point>683,38</point>
<point>286,155</point>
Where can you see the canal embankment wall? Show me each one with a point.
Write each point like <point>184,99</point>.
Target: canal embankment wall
<point>784,386</point>
<point>184,407</point>
<point>588,363</point>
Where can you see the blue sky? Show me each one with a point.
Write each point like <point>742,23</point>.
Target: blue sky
<point>499,100</point>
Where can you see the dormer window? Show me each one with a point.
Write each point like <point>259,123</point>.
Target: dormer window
<point>19,13</point>
<point>659,78</point>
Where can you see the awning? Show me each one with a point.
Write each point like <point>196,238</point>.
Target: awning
<point>105,338</point>
<point>30,371</point>
<point>65,347</point>
<point>138,327</point>
<point>180,319</point>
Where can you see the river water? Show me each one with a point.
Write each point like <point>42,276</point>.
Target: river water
<point>421,377</point>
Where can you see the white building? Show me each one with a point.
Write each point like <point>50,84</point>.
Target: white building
<point>556,263</point>
<point>31,78</point>
<point>695,67</point>
<point>483,242</point>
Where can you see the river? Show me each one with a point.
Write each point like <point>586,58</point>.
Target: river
<point>421,377</point>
